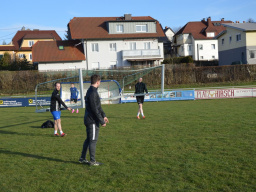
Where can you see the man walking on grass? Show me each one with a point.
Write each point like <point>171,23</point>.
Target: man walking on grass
<point>140,87</point>
<point>55,107</point>
<point>94,116</point>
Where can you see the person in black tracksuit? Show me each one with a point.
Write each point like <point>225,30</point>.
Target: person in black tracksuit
<point>140,87</point>
<point>94,116</point>
<point>55,107</point>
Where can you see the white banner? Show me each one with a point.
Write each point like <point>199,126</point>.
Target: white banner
<point>225,93</point>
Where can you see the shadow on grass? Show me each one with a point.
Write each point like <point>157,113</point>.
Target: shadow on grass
<point>26,134</point>
<point>24,123</point>
<point>39,127</point>
<point>35,156</point>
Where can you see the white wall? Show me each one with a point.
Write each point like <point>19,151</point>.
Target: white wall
<point>169,34</point>
<point>106,58</point>
<point>207,52</point>
<point>61,66</point>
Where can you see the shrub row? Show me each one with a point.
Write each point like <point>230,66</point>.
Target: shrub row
<point>24,82</point>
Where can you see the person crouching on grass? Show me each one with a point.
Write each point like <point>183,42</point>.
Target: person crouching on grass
<point>140,87</point>
<point>56,103</point>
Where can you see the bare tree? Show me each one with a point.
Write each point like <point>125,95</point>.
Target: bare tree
<point>250,20</point>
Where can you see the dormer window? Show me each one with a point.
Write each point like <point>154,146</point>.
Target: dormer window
<point>30,43</point>
<point>141,28</point>
<point>61,47</point>
<point>119,28</point>
<point>210,34</point>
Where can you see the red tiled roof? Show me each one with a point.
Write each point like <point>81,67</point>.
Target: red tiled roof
<point>198,29</point>
<point>96,28</point>
<point>19,36</point>
<point>41,36</point>
<point>7,48</point>
<point>48,51</point>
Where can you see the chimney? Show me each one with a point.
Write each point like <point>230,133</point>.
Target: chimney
<point>166,27</point>
<point>243,21</point>
<point>203,19</point>
<point>209,22</point>
<point>127,17</point>
<point>238,21</point>
<point>222,19</point>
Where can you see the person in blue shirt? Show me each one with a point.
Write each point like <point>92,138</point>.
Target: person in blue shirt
<point>73,97</point>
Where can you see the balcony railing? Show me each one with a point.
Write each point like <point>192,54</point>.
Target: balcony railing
<point>142,53</point>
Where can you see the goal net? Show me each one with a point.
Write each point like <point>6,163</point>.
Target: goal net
<point>114,85</point>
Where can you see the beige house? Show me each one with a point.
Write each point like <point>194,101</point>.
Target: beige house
<point>22,42</point>
<point>237,44</point>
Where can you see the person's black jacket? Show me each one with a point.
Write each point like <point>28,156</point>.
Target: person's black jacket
<point>140,87</point>
<point>56,101</point>
<point>93,111</point>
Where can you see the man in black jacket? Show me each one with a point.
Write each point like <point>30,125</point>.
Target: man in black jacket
<point>94,116</point>
<point>56,102</point>
<point>140,87</point>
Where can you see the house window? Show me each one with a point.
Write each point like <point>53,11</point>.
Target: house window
<point>133,46</point>
<point>21,56</point>
<point>119,28</point>
<point>182,48</point>
<point>252,54</point>
<point>201,57</point>
<point>30,56</point>
<point>147,45</point>
<point>213,57</point>
<point>30,43</point>
<point>230,39</point>
<point>61,47</point>
<point>210,34</point>
<point>141,28</point>
<point>222,41</point>
<point>238,37</point>
<point>95,65</point>
<point>201,47</point>
<point>213,46</point>
<point>112,46</point>
<point>189,47</point>
<point>95,47</point>
<point>113,64</point>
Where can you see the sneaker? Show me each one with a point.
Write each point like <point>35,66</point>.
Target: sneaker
<point>138,117</point>
<point>95,163</point>
<point>73,110</point>
<point>144,117</point>
<point>77,111</point>
<point>57,134</point>
<point>63,134</point>
<point>81,160</point>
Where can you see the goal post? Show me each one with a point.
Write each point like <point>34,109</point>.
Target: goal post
<point>110,90</point>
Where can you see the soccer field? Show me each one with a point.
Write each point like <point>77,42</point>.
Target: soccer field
<point>202,145</point>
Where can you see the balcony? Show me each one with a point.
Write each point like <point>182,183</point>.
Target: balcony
<point>141,54</point>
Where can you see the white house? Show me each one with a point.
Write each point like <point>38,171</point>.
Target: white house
<point>196,39</point>
<point>113,42</point>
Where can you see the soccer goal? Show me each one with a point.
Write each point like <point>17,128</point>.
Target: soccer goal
<point>109,91</point>
<point>115,84</point>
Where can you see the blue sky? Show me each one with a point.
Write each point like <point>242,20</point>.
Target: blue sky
<point>55,14</point>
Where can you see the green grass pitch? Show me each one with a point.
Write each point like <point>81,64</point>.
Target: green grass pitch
<point>202,145</point>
